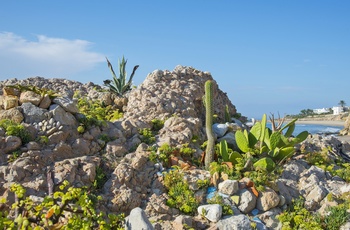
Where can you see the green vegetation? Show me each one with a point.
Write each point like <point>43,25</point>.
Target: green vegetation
<point>95,113</point>
<point>275,146</point>
<point>75,203</point>
<point>298,217</point>
<point>119,85</point>
<point>336,166</point>
<point>40,91</point>
<point>180,195</point>
<point>14,129</point>
<point>147,136</point>
<point>209,108</point>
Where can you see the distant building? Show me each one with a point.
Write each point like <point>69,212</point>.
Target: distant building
<point>337,110</point>
<point>321,111</point>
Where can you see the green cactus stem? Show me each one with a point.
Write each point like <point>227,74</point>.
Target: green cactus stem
<point>209,108</point>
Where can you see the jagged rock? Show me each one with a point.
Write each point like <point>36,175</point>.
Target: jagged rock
<point>239,222</point>
<point>293,170</point>
<point>137,220</point>
<point>33,113</point>
<point>317,193</point>
<point>247,201</point>
<point>229,187</point>
<point>60,115</point>
<point>267,199</point>
<point>164,94</point>
<point>81,146</point>
<point>80,171</point>
<point>288,189</point>
<point>212,212</point>
<point>13,114</point>
<point>178,131</point>
<point>67,104</point>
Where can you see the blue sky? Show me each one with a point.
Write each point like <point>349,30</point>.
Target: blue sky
<point>269,56</point>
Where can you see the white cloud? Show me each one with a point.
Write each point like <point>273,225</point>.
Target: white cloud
<point>47,57</point>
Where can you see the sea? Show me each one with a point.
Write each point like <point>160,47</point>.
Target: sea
<point>315,129</point>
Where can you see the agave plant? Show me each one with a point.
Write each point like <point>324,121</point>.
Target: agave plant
<point>119,85</point>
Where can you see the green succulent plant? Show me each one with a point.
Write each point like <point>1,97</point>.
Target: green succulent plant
<point>209,107</point>
<point>274,147</point>
<point>119,85</point>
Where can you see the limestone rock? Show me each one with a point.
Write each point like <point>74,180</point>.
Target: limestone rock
<point>247,201</point>
<point>31,97</point>
<point>238,222</point>
<point>10,102</point>
<point>33,113</point>
<point>9,144</point>
<point>13,114</point>
<point>267,199</point>
<point>67,104</point>
<point>182,222</point>
<point>137,220</point>
<point>45,102</point>
<point>60,115</point>
<point>212,212</point>
<point>229,187</point>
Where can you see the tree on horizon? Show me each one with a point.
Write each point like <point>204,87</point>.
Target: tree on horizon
<point>342,103</point>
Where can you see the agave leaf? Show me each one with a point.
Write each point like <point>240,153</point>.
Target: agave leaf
<point>242,141</point>
<point>265,163</point>
<point>132,74</point>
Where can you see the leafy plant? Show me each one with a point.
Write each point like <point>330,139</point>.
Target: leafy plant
<point>96,112</point>
<point>147,136</point>
<point>180,195</point>
<point>76,203</point>
<point>227,154</point>
<point>274,147</point>
<point>157,124</point>
<point>14,129</point>
<point>119,85</point>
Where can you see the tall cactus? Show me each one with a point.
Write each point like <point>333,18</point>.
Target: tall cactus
<point>209,108</point>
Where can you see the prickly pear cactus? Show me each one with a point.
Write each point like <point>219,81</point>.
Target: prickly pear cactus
<point>209,108</point>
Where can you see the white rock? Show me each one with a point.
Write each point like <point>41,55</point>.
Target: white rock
<point>212,212</point>
<point>220,129</point>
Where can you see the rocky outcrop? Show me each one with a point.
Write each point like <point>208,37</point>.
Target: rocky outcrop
<point>134,184</point>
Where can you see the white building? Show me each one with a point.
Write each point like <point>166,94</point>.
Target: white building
<point>321,111</point>
<point>337,110</point>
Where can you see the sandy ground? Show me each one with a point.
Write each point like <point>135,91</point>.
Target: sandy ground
<point>315,122</point>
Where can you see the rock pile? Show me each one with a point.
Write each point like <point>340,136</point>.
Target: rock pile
<point>134,184</point>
